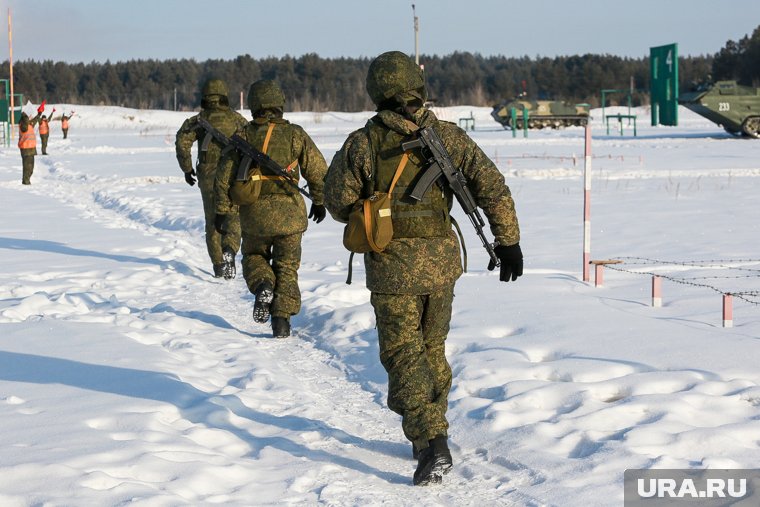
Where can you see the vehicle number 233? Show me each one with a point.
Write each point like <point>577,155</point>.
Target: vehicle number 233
<point>724,106</point>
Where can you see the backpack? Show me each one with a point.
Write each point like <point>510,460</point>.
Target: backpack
<point>247,192</point>
<point>370,227</point>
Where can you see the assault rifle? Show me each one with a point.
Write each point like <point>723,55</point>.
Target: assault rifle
<point>440,164</point>
<point>250,155</point>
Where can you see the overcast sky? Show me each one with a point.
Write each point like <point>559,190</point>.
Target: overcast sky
<point>119,30</point>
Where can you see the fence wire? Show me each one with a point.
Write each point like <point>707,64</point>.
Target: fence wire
<point>723,265</point>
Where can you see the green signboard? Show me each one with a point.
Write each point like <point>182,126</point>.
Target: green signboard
<point>5,110</point>
<point>663,65</point>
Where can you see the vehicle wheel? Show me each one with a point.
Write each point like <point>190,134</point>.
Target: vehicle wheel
<point>751,126</point>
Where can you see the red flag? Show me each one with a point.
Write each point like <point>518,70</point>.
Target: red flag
<point>41,108</point>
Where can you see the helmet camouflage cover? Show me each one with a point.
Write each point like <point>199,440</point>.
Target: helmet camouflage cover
<point>215,87</point>
<point>394,75</point>
<point>265,94</point>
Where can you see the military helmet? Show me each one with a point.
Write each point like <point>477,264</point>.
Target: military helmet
<point>394,74</point>
<point>215,87</point>
<point>265,94</point>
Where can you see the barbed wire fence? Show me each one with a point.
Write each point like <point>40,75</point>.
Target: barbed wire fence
<point>727,277</point>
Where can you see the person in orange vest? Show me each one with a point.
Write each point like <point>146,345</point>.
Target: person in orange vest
<point>65,123</point>
<point>27,143</point>
<point>45,131</point>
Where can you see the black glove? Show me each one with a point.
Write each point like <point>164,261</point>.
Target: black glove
<point>511,259</point>
<point>220,223</point>
<point>317,211</point>
<point>189,178</point>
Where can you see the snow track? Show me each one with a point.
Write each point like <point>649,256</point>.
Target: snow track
<point>231,410</point>
<point>130,376</point>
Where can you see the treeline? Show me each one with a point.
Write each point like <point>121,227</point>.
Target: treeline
<point>313,83</point>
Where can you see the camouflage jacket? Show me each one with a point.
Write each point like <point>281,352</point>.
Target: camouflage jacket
<point>419,265</point>
<point>222,118</point>
<point>280,209</point>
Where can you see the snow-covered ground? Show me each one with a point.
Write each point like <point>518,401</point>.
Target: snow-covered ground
<point>128,375</point>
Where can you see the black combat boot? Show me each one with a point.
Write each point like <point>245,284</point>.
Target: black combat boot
<point>228,264</point>
<point>280,327</point>
<point>264,295</point>
<point>218,270</point>
<point>434,462</point>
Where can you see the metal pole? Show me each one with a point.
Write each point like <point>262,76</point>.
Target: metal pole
<point>598,275</point>
<point>587,205</point>
<point>416,37</point>
<point>728,310</point>
<point>656,291</point>
<point>175,98</point>
<point>10,59</point>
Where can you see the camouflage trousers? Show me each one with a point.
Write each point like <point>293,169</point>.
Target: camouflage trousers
<point>44,141</point>
<point>27,168</point>
<point>412,332</point>
<point>216,242</point>
<point>65,133</point>
<point>274,259</point>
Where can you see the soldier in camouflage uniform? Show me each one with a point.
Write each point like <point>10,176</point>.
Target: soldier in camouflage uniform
<point>272,226</point>
<point>216,110</point>
<point>412,280</point>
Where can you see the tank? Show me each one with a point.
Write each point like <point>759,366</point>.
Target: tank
<point>734,107</point>
<point>541,113</point>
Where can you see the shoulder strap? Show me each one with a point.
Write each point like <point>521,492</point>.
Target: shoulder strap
<point>399,170</point>
<point>267,138</point>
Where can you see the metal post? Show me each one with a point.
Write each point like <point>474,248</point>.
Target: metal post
<point>656,291</point>
<point>525,122</point>
<point>416,37</point>
<point>598,275</point>
<point>728,310</point>
<point>513,115</point>
<point>10,60</point>
<point>587,205</point>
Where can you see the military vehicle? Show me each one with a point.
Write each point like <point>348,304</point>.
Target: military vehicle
<point>734,107</point>
<point>541,113</point>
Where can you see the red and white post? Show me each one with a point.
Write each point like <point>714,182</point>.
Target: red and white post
<point>656,291</point>
<point>728,310</point>
<point>598,275</point>
<point>587,205</point>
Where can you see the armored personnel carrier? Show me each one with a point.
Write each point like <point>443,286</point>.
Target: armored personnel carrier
<point>541,113</point>
<point>734,107</point>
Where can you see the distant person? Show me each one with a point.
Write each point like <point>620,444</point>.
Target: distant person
<point>65,123</point>
<point>216,110</point>
<point>412,279</point>
<point>27,143</point>
<point>44,130</point>
<point>273,225</point>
